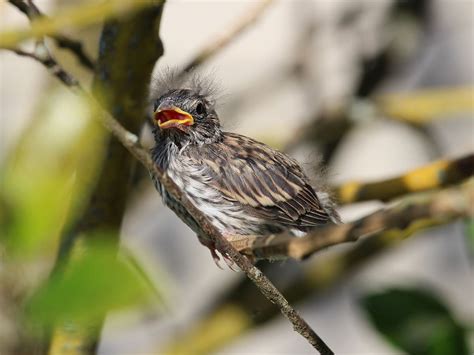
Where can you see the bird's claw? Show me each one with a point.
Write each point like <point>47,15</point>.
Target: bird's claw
<point>217,260</point>
<point>230,263</point>
<point>216,257</point>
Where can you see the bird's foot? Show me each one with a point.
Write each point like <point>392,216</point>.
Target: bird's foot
<point>229,262</point>
<point>216,256</point>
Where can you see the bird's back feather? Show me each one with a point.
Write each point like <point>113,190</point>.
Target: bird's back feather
<point>267,183</point>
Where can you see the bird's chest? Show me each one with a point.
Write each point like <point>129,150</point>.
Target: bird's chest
<point>192,178</point>
<point>196,181</point>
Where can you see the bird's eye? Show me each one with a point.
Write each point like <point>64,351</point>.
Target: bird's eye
<point>200,108</point>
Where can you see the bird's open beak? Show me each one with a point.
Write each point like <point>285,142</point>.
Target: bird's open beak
<point>173,117</point>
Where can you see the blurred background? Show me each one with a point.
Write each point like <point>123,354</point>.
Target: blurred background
<point>373,89</point>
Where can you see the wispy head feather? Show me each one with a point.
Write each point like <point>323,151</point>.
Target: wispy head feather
<point>170,79</point>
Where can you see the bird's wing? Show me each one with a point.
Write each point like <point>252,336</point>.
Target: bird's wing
<point>266,182</point>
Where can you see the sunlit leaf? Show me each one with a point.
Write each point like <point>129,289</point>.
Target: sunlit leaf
<point>50,170</point>
<point>416,322</point>
<point>95,282</point>
<point>136,265</point>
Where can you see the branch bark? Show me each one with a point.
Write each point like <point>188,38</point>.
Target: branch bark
<point>434,175</point>
<point>421,107</point>
<point>407,216</point>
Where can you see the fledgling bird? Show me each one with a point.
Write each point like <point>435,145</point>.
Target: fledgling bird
<point>243,186</point>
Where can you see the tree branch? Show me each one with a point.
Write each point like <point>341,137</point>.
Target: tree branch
<point>130,142</point>
<point>434,175</point>
<point>227,37</point>
<point>407,216</point>
<point>42,55</point>
<point>76,47</point>
<point>423,106</point>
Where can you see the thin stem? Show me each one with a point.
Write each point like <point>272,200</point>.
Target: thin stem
<point>228,36</point>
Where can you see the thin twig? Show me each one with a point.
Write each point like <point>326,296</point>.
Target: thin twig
<point>231,34</point>
<point>76,47</point>
<point>406,216</point>
<point>130,142</point>
<point>42,55</point>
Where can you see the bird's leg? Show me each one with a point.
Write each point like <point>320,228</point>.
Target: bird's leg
<point>215,256</point>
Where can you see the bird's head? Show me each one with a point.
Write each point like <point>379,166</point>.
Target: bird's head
<point>187,115</point>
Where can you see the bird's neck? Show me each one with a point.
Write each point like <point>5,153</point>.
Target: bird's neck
<point>172,142</point>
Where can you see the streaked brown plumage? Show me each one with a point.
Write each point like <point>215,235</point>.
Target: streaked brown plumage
<point>243,186</point>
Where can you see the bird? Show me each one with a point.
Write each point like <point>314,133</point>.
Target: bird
<point>244,187</point>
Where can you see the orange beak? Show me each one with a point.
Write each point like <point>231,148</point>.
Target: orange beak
<point>173,117</point>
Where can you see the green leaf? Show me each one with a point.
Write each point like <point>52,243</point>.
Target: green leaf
<point>416,322</point>
<point>91,285</point>
<point>47,176</point>
<point>470,234</point>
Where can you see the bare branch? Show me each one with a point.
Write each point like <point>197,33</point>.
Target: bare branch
<point>423,106</point>
<point>130,142</point>
<point>76,47</point>
<point>437,174</point>
<point>227,37</point>
<point>408,216</point>
<point>42,55</point>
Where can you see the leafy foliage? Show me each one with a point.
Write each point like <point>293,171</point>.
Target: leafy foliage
<point>48,173</point>
<point>92,284</point>
<point>470,234</point>
<point>416,321</point>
